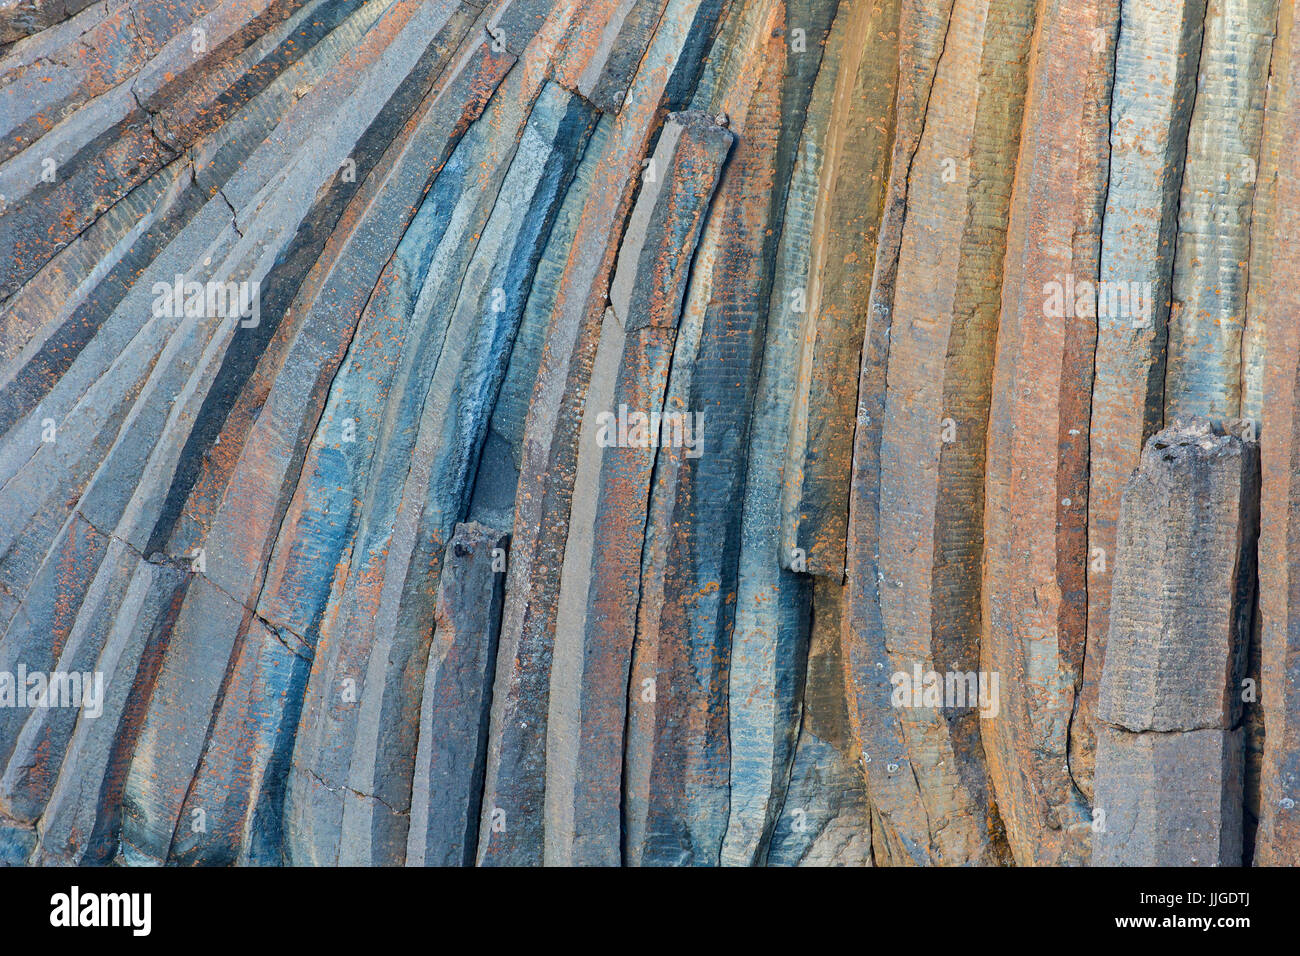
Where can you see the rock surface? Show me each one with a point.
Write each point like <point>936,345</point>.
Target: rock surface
<point>648,432</point>
<point>1170,757</point>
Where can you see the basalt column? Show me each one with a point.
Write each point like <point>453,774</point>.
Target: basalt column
<point>1169,778</point>
<point>934,419</point>
<point>1035,528</point>
<point>1156,60</point>
<point>1278,842</point>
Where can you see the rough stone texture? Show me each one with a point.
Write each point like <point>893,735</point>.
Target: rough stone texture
<point>770,635</point>
<point>1169,799</point>
<point>1170,755</point>
<point>843,250</point>
<point>600,588</point>
<point>516,772</point>
<point>826,817</point>
<point>854,242</point>
<point>1035,521</point>
<point>1212,253</point>
<point>1183,585</point>
<point>1278,842</point>
<point>945,306</point>
<point>1263,221</point>
<point>1156,61</point>
<point>449,760</point>
<point>897,808</point>
<point>678,749</point>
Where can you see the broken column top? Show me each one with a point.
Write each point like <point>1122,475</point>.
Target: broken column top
<point>1196,437</point>
<point>1183,576</point>
<point>676,190</point>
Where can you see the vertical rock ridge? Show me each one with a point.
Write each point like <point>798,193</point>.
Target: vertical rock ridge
<point>1169,778</point>
<point>646,432</point>
<point>1279,822</point>
<point>1035,528</point>
<point>1157,57</point>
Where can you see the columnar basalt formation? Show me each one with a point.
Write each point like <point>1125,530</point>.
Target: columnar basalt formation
<point>1208,351</point>
<point>601,585</point>
<point>1278,842</point>
<point>1169,779</point>
<point>1034,589</point>
<point>1156,59</point>
<point>679,753</point>
<point>647,432</point>
<point>450,759</point>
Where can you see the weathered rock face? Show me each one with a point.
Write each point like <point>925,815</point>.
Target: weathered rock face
<point>1169,785</point>
<point>649,432</point>
<point>451,756</point>
<point>1034,588</point>
<point>1278,842</point>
